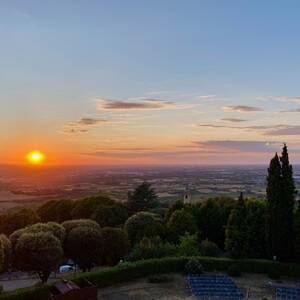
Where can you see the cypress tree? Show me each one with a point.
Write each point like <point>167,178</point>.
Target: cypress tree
<point>297,234</point>
<point>274,191</point>
<point>280,199</point>
<point>287,204</point>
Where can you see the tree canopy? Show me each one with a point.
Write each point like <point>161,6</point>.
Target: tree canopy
<point>39,252</point>
<point>84,245</point>
<point>142,198</point>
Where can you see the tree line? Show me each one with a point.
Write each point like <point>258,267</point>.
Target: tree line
<point>99,231</point>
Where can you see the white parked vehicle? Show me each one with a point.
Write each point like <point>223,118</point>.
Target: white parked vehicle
<point>66,269</point>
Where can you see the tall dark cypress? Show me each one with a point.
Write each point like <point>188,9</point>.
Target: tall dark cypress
<point>281,193</point>
<point>274,191</point>
<point>287,204</point>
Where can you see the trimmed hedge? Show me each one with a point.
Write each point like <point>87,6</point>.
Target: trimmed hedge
<point>37,292</point>
<point>108,276</point>
<point>130,271</point>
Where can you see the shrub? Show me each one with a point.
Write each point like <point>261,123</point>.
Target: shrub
<point>115,244</point>
<point>160,278</point>
<point>188,245</point>
<point>179,223</point>
<point>143,224</point>
<point>234,270</point>
<point>37,292</point>
<point>208,248</point>
<point>194,266</point>
<point>178,205</point>
<point>152,247</point>
<point>130,271</point>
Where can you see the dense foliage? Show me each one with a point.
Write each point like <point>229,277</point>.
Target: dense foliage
<point>180,222</point>
<point>142,198</point>
<point>15,220</point>
<point>115,245</point>
<point>84,245</point>
<point>143,224</point>
<point>39,252</point>
<point>5,253</point>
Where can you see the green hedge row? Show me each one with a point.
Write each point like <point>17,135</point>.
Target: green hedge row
<point>128,271</point>
<point>38,292</point>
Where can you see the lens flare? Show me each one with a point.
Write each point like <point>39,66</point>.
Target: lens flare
<point>35,157</point>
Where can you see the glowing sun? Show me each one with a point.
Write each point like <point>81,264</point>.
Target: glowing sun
<point>35,157</point>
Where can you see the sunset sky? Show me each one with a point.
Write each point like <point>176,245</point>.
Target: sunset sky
<point>149,82</point>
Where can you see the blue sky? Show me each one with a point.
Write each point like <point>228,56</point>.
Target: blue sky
<point>63,61</point>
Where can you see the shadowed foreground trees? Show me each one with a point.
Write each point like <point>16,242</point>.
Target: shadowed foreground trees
<point>56,211</point>
<point>236,230</point>
<point>245,231</point>
<point>84,245</point>
<point>212,217</point>
<point>21,218</point>
<point>39,252</point>
<point>180,222</point>
<point>5,253</point>
<point>115,245</point>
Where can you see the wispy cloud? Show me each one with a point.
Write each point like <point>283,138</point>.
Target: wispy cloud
<point>195,149</point>
<point>82,125</point>
<point>243,146</point>
<point>287,130</point>
<point>207,97</point>
<point>253,127</point>
<point>137,104</point>
<point>295,110</point>
<point>156,154</point>
<point>89,121</point>
<point>241,108</point>
<point>233,120</point>
<point>268,130</point>
<point>287,99</point>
